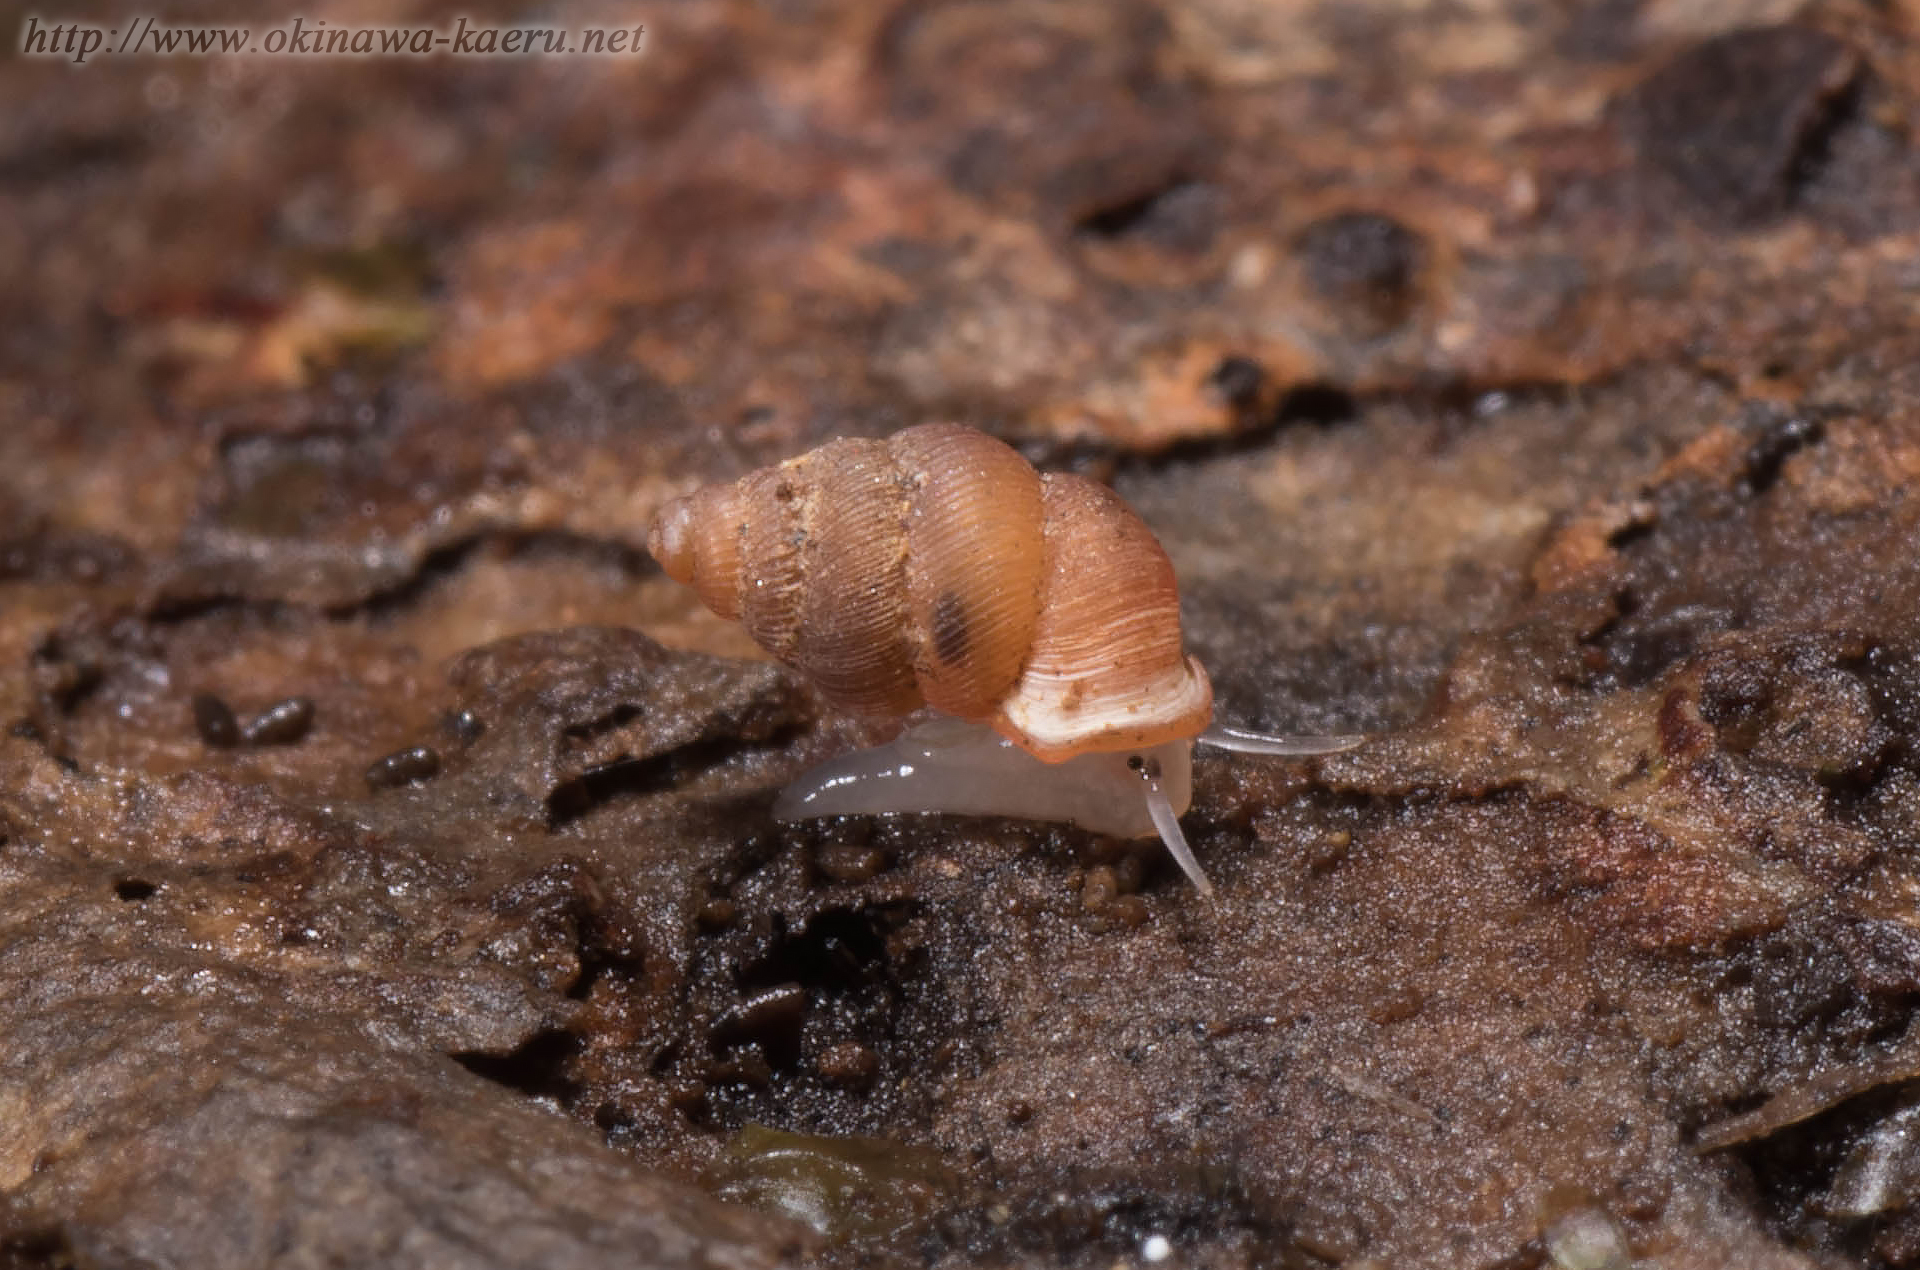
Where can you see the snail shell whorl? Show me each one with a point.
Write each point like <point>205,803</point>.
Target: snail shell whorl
<point>1107,658</point>
<point>697,541</point>
<point>976,563</point>
<point>937,566</point>
<point>852,635</point>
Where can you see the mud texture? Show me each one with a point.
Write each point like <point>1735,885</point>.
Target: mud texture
<point>386,867</point>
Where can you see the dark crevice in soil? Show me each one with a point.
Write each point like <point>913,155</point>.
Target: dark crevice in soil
<point>612,720</point>
<point>636,778</point>
<point>68,158</point>
<point>133,890</point>
<point>598,962</point>
<point>38,1250</point>
<point>50,737</point>
<point>1323,405</point>
<point>171,609</point>
<point>1845,1178</point>
<point>1134,214</point>
<point>435,566</point>
<point>1811,155</point>
<point>538,1068</point>
<point>825,1026</point>
<point>839,949</point>
<point>438,564</point>
<point>447,560</point>
<point>1456,402</point>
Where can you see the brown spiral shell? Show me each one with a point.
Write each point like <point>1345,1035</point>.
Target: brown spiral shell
<point>937,567</point>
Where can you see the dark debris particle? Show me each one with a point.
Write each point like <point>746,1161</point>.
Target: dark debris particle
<point>464,726</point>
<point>1779,440</point>
<point>66,676</point>
<point>1365,265</point>
<point>282,723</point>
<point>1099,889</point>
<point>133,890</point>
<point>747,1067</point>
<point>848,1064</point>
<point>1236,381</point>
<point>850,861</point>
<point>717,913</point>
<point>404,767</point>
<point>770,1018</point>
<point>214,721</point>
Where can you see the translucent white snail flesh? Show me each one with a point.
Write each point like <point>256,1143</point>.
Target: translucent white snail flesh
<point>1034,612</point>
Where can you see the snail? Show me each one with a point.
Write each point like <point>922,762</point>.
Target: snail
<point>1035,614</point>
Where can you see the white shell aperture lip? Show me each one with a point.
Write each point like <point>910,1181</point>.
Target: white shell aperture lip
<point>1052,716</point>
<point>947,765</point>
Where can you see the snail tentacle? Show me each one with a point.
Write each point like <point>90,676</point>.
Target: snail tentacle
<point>1244,741</point>
<point>1167,821</point>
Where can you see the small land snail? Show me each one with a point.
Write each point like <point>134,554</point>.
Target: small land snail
<point>1036,614</point>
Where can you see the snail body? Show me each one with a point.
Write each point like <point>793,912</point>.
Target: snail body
<point>1035,612</point>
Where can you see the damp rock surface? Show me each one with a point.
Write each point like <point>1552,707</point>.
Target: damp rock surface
<point>386,868</point>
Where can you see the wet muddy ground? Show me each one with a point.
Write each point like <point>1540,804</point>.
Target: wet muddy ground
<point>386,867</point>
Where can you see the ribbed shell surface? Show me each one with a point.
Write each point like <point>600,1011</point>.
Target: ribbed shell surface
<point>853,638</point>
<point>937,566</point>
<point>976,559</point>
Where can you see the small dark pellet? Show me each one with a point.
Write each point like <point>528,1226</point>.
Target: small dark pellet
<point>849,1065</point>
<point>214,721</point>
<point>717,913</point>
<point>280,724</point>
<point>404,767</point>
<point>766,1016</point>
<point>1237,381</point>
<point>463,726</point>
